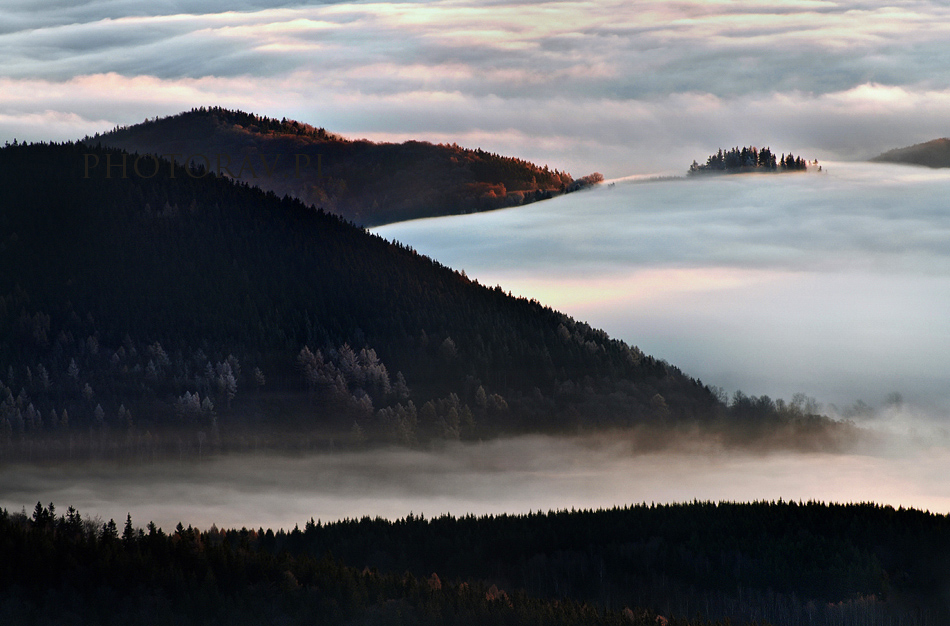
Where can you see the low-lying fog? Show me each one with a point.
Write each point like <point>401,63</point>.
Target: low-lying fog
<point>834,284</point>
<point>512,475</point>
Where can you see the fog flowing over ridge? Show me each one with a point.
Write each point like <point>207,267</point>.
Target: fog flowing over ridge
<point>834,284</point>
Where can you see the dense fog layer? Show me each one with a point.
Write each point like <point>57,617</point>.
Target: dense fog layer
<point>834,284</point>
<point>511,475</point>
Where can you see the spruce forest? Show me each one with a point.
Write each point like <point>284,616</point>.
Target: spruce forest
<point>748,159</point>
<point>758,563</point>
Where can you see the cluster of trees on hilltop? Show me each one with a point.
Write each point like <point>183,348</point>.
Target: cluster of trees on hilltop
<point>364,182</point>
<point>766,563</point>
<point>748,159</point>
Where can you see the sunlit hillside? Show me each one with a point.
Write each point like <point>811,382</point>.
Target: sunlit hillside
<point>364,182</point>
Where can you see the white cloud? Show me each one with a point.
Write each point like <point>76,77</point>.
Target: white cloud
<point>835,284</point>
<point>620,87</point>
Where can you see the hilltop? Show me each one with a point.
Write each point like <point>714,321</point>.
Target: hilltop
<point>364,182</point>
<point>934,154</point>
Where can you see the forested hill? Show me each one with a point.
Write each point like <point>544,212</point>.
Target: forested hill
<point>130,306</point>
<point>190,299</point>
<point>365,182</point>
<point>934,153</point>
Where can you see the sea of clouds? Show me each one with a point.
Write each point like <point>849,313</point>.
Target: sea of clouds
<point>834,284</point>
<point>615,86</point>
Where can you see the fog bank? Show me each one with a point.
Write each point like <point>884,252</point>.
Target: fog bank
<point>834,284</point>
<point>503,476</point>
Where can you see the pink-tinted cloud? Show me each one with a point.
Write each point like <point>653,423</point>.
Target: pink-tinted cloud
<point>622,87</point>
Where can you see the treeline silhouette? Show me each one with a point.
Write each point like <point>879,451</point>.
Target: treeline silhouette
<point>68,569</point>
<point>365,182</point>
<point>134,306</point>
<point>766,562</point>
<point>748,159</point>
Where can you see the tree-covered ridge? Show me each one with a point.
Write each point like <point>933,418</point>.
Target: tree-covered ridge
<point>364,182</point>
<point>768,562</point>
<point>188,299</point>
<point>782,562</point>
<point>75,570</point>
<point>748,159</point>
<point>185,313</point>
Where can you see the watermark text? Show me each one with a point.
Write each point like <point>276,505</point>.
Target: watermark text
<point>199,165</point>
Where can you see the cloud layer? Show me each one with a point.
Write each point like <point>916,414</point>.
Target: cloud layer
<point>621,87</point>
<point>834,284</point>
<point>501,476</point>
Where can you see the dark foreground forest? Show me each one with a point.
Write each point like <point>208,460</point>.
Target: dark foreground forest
<point>181,312</point>
<point>700,563</point>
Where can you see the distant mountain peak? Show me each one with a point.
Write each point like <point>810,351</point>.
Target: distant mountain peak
<point>934,153</point>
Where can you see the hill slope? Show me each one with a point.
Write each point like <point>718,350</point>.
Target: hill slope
<point>148,295</point>
<point>934,153</point>
<point>366,183</point>
<point>131,307</point>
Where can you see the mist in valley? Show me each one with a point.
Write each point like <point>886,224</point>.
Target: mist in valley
<point>834,284</point>
<point>893,459</point>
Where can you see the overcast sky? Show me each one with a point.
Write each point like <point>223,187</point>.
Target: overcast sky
<point>618,87</point>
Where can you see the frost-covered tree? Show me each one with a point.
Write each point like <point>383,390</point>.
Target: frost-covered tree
<point>42,377</point>
<point>259,379</point>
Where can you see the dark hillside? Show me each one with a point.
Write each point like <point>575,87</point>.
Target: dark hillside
<point>934,153</point>
<point>365,182</point>
<point>129,304</point>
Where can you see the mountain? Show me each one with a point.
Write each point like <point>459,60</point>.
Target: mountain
<point>934,153</point>
<point>188,311</point>
<point>364,182</point>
